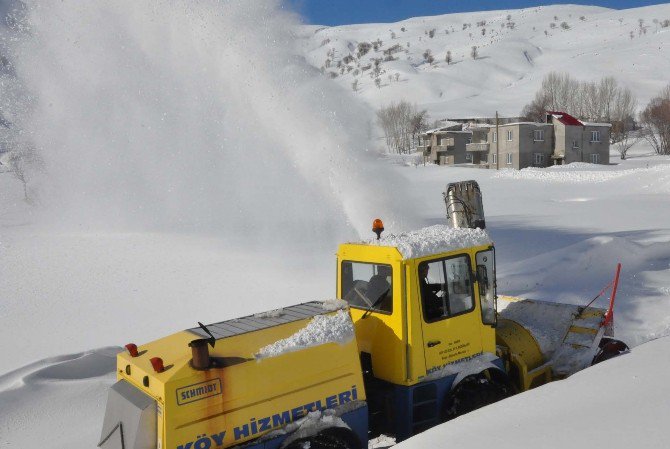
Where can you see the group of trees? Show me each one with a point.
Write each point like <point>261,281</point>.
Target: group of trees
<point>655,121</point>
<point>402,123</point>
<point>603,101</point>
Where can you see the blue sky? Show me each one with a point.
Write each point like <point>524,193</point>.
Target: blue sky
<point>339,12</point>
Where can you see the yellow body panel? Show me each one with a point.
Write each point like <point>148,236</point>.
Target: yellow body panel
<point>524,354</point>
<point>248,398</point>
<point>398,342</point>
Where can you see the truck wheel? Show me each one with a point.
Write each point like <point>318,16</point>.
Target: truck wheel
<point>473,392</point>
<point>332,438</point>
<point>609,348</point>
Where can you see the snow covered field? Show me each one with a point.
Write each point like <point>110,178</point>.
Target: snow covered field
<point>153,216</point>
<point>557,237</point>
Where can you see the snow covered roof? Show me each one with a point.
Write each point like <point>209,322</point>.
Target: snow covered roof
<point>565,118</point>
<point>433,240</point>
<point>609,125</point>
<point>522,123</point>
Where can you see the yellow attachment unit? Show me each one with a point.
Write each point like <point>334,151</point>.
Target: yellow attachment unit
<point>263,372</point>
<point>524,353</point>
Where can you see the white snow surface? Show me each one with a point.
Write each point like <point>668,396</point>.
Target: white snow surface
<point>432,239</point>
<point>330,328</point>
<point>154,216</point>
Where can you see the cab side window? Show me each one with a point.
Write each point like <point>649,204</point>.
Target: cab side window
<point>368,286</point>
<point>446,288</point>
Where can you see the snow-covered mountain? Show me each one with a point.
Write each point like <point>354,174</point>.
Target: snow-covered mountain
<point>515,48</point>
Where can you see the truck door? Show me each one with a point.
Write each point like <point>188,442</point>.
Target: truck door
<point>450,320</point>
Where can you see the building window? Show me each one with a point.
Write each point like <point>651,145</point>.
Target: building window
<point>509,158</point>
<point>538,135</point>
<point>469,139</point>
<point>468,157</point>
<point>495,136</point>
<point>495,159</point>
<point>595,136</point>
<point>510,135</point>
<point>595,158</point>
<point>539,159</point>
<point>485,158</point>
<point>575,144</point>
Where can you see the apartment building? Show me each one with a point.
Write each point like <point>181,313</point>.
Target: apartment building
<point>562,139</point>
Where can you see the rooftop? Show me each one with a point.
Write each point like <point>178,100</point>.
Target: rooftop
<point>432,240</point>
<point>565,118</point>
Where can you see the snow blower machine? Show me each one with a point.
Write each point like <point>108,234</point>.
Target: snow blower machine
<point>418,337</point>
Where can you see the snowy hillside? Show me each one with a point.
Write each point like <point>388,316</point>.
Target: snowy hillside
<point>516,48</point>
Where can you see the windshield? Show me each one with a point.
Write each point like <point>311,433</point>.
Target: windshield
<point>368,286</point>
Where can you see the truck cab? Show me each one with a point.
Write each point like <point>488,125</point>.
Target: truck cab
<point>423,305</point>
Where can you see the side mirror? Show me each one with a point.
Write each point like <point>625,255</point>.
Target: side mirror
<point>482,279</point>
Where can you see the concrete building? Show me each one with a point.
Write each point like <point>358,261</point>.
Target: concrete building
<point>562,139</point>
<point>445,145</point>
<point>578,141</point>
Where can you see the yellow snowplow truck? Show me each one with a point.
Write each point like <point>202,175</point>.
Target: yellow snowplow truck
<point>417,337</point>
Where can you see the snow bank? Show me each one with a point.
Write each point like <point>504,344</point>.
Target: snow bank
<point>322,329</point>
<point>573,176</point>
<point>432,240</point>
<point>60,400</point>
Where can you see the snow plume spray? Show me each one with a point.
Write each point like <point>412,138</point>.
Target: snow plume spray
<point>191,115</point>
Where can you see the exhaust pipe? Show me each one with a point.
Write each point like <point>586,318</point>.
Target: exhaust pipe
<point>200,354</point>
<point>465,208</point>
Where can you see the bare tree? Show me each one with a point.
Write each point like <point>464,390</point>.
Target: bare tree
<point>607,90</point>
<point>623,138</point>
<point>428,57</point>
<point>418,122</point>
<point>401,123</point>
<point>23,164</point>
<point>655,120</point>
<point>354,85</point>
<point>447,58</point>
<point>536,109</point>
<point>473,52</point>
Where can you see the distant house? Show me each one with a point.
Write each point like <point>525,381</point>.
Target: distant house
<point>578,141</point>
<point>445,145</point>
<point>561,140</point>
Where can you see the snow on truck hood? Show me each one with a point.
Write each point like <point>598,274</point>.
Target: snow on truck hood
<point>433,240</point>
